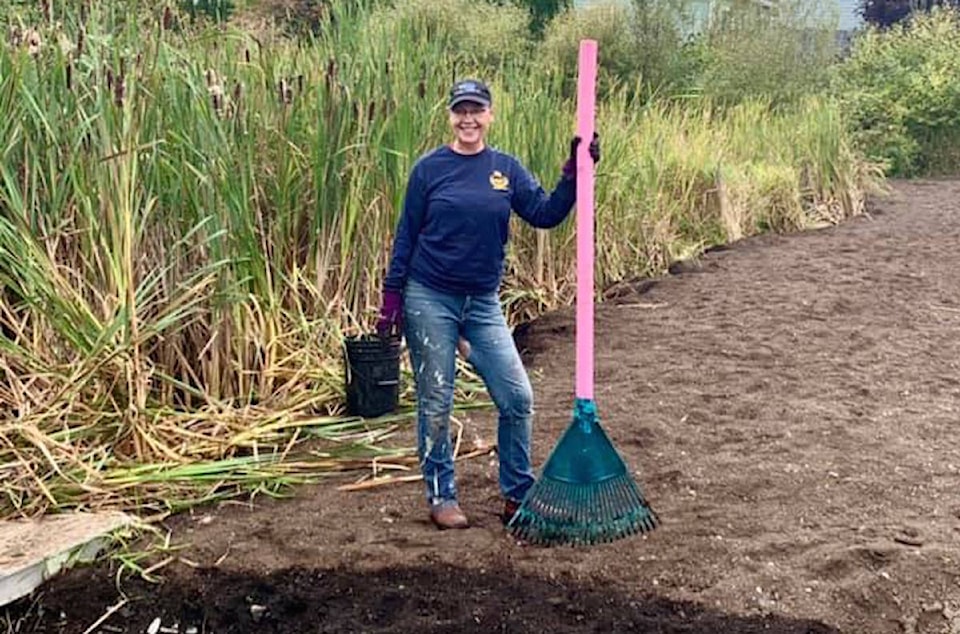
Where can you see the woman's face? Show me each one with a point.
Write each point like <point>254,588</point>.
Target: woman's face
<point>469,121</point>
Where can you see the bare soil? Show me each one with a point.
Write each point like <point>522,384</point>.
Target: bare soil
<point>790,406</point>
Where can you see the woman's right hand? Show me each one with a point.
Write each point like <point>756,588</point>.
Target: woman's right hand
<point>390,322</point>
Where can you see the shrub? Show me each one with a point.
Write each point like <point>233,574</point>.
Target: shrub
<point>901,90</point>
<point>780,54</point>
<point>734,52</point>
<point>643,44</point>
<point>478,33</point>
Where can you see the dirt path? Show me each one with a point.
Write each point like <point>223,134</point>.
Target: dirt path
<point>791,405</point>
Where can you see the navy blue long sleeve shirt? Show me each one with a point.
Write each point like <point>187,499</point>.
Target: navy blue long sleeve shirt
<point>455,222</point>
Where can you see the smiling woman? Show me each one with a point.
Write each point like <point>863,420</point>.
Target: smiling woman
<point>443,288</point>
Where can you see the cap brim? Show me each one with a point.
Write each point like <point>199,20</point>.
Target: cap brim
<point>471,99</point>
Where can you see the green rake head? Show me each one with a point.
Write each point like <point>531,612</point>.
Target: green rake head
<point>585,494</point>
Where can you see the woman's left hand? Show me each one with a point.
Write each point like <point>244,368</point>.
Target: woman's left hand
<point>570,167</point>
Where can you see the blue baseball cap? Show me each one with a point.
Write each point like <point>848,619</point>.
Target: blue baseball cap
<point>472,90</point>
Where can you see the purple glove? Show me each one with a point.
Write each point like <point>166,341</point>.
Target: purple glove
<point>570,167</point>
<point>391,314</point>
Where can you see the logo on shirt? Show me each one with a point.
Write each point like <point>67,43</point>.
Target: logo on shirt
<point>499,181</point>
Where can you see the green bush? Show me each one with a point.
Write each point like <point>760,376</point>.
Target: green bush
<point>901,91</point>
<point>737,51</point>
<point>643,45</point>
<point>481,35</point>
<point>777,54</point>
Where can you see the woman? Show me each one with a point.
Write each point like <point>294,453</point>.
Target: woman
<point>442,288</point>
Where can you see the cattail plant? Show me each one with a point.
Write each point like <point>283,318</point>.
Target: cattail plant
<point>119,90</point>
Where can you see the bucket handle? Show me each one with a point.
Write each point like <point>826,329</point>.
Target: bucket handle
<point>346,361</point>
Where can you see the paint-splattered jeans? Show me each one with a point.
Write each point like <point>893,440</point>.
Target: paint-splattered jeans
<point>433,323</point>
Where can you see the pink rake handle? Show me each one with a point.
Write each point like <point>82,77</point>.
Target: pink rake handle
<point>586,104</point>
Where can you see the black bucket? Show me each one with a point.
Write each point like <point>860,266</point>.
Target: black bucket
<point>372,369</point>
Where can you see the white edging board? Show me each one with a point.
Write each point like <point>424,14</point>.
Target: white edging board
<point>34,550</point>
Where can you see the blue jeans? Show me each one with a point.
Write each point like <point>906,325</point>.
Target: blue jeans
<point>433,323</point>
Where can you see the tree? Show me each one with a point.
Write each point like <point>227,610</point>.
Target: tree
<point>885,13</point>
<point>542,11</point>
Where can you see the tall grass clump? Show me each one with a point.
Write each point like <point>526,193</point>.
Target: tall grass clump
<point>901,88</point>
<point>674,181</point>
<point>192,216</point>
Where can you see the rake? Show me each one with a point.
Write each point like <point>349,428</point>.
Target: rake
<point>585,494</point>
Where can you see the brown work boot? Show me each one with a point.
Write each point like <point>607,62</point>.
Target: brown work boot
<point>510,508</point>
<point>446,516</point>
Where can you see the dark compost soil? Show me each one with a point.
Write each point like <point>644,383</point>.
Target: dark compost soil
<point>790,405</point>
